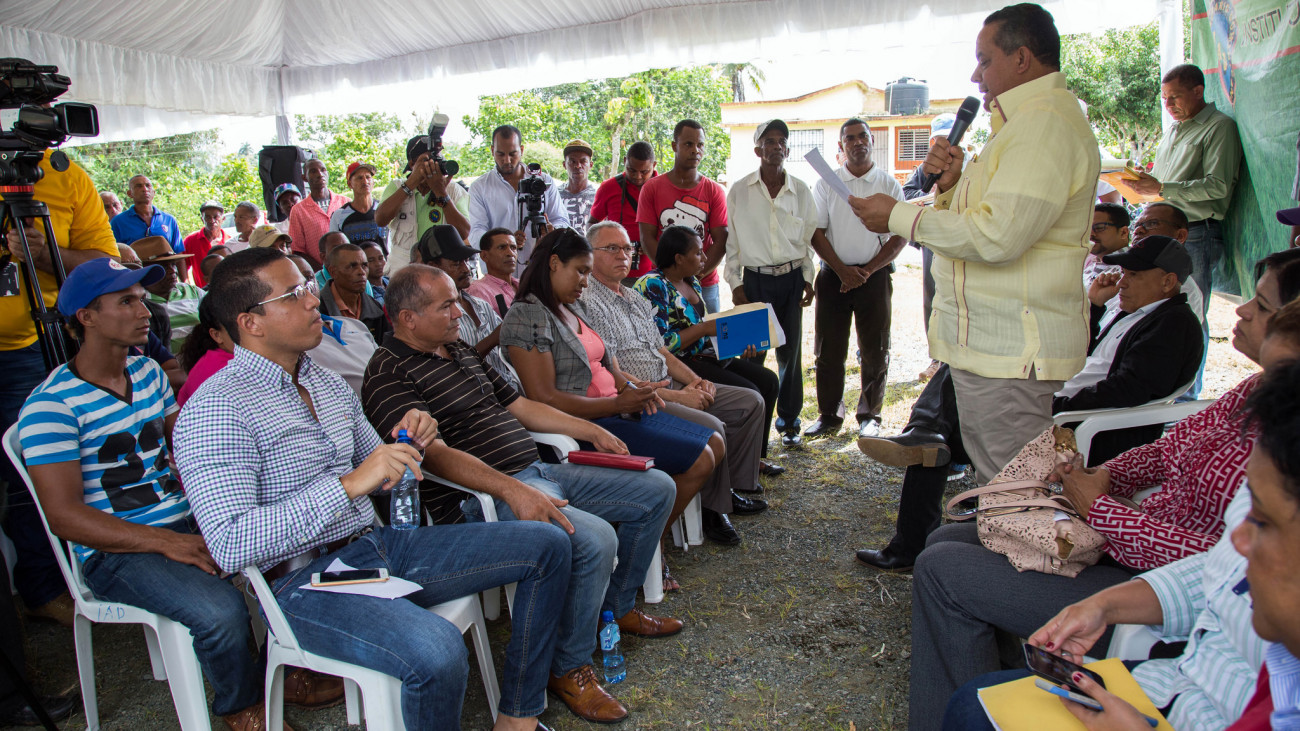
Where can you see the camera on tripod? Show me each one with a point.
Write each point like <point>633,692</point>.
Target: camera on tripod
<point>29,88</point>
<point>531,190</point>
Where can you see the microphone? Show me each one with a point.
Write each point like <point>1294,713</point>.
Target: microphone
<point>501,304</point>
<point>965,116</point>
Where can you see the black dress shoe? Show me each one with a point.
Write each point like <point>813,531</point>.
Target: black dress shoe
<point>57,707</point>
<point>885,560</point>
<point>824,426</point>
<point>718,528</point>
<point>767,469</point>
<point>741,505</point>
<point>912,447</point>
<point>755,489</point>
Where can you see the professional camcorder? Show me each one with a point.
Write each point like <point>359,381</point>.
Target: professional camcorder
<point>30,89</point>
<point>531,190</point>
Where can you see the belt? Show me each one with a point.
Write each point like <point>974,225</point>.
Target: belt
<point>289,565</point>
<point>779,269</point>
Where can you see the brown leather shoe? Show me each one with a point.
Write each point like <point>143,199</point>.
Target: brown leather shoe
<point>59,609</point>
<point>637,622</point>
<point>581,692</point>
<point>252,718</point>
<point>306,689</point>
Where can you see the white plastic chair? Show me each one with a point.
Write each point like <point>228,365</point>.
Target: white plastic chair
<point>379,694</point>
<point>171,646</point>
<point>1132,642</point>
<point>1095,421</point>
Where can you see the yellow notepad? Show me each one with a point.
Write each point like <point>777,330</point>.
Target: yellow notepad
<point>1019,706</point>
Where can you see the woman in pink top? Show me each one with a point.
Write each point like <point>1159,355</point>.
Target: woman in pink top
<point>206,351</point>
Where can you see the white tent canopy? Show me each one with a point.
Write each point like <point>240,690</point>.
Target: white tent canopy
<point>162,66</point>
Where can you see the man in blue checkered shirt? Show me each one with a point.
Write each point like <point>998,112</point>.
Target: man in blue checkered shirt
<point>278,462</point>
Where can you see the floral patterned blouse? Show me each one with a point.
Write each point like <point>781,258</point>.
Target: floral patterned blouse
<point>673,312</point>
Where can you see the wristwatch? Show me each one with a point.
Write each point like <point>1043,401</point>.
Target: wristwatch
<point>442,200</point>
<point>407,190</point>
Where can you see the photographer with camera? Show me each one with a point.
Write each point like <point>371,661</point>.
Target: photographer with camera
<point>514,196</point>
<point>82,233</point>
<point>426,198</point>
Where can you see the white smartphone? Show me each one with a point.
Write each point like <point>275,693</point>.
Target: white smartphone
<point>353,576</point>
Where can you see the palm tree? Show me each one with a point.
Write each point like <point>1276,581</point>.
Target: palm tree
<point>742,75</point>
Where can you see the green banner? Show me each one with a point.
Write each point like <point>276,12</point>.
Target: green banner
<point>1250,52</point>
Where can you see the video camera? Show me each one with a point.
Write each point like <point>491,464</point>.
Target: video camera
<point>30,89</point>
<point>531,190</point>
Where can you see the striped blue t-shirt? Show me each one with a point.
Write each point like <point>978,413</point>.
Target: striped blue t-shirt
<point>120,442</point>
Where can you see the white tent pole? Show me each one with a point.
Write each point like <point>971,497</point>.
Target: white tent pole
<point>1170,13</point>
<point>283,130</point>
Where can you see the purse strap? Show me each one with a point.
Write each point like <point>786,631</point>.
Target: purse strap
<point>1057,502</point>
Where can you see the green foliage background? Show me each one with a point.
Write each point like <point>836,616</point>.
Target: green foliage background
<point>1117,74</point>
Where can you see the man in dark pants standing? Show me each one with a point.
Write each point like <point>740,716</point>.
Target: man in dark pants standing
<point>855,283</point>
<point>769,258</point>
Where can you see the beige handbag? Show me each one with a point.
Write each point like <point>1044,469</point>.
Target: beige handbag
<point>1021,518</point>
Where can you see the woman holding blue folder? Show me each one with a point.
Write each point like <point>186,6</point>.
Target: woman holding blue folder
<point>673,287</point>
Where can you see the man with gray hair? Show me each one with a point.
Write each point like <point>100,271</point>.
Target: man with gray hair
<point>246,217</point>
<point>626,322</point>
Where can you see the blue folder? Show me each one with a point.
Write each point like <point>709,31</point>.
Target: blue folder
<point>738,331</point>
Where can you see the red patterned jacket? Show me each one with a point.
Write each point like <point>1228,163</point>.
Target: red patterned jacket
<point>1199,465</point>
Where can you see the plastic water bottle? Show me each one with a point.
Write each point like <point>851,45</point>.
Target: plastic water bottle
<point>611,653</point>
<point>405,512</point>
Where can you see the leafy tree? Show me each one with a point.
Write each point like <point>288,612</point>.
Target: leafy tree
<point>373,137</point>
<point>610,114</point>
<point>742,75</point>
<point>1117,74</point>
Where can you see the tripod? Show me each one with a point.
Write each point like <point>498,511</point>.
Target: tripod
<point>16,206</point>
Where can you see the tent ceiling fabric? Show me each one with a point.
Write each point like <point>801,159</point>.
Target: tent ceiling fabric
<point>259,57</point>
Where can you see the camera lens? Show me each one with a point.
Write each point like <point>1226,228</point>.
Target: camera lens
<point>448,167</point>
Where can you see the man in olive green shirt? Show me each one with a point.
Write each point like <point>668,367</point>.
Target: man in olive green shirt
<point>1196,169</point>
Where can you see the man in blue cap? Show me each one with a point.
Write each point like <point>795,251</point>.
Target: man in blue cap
<point>94,437</point>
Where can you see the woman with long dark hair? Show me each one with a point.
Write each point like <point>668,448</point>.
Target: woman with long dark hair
<point>673,287</point>
<point>206,351</point>
<point>563,362</point>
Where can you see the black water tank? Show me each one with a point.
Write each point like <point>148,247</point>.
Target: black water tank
<point>907,96</point>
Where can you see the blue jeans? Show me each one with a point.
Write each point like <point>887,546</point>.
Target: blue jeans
<point>1205,246</point>
<point>639,502</point>
<point>36,573</point>
<point>212,609</point>
<point>426,652</point>
<point>712,300</point>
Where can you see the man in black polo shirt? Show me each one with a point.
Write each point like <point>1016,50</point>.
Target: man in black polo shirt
<point>484,442</point>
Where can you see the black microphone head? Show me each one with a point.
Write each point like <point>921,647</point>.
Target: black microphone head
<point>969,109</point>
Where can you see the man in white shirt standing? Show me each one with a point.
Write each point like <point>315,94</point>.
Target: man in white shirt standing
<point>769,258</point>
<point>855,283</point>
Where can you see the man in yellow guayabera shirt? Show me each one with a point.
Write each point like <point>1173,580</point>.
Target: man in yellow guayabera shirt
<point>81,229</point>
<point>1009,234</point>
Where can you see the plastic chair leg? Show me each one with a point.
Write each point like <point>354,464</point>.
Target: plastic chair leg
<point>155,653</point>
<point>653,588</point>
<point>485,667</point>
<point>492,603</point>
<point>355,703</point>
<point>185,677</point>
<point>694,518</point>
<point>275,698</point>
<point>81,627</point>
<point>383,701</point>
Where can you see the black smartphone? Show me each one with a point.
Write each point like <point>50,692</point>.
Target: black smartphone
<point>1056,668</point>
<point>353,576</point>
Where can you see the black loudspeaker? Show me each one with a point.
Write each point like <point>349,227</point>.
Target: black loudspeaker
<point>279,164</point>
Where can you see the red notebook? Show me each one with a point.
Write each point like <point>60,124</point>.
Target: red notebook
<point>605,459</point>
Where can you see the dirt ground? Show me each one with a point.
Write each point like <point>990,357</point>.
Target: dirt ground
<point>785,631</point>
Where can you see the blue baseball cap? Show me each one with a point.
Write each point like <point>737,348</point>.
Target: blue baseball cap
<point>101,276</point>
<point>941,125</point>
<point>284,188</point>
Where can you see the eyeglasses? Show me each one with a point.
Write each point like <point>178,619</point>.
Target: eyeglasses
<point>1101,226</point>
<point>307,287</point>
<point>1150,223</point>
<point>619,250</point>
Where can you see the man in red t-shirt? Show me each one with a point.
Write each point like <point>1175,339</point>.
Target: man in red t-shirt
<point>617,200</point>
<point>684,197</point>
<point>199,243</point>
